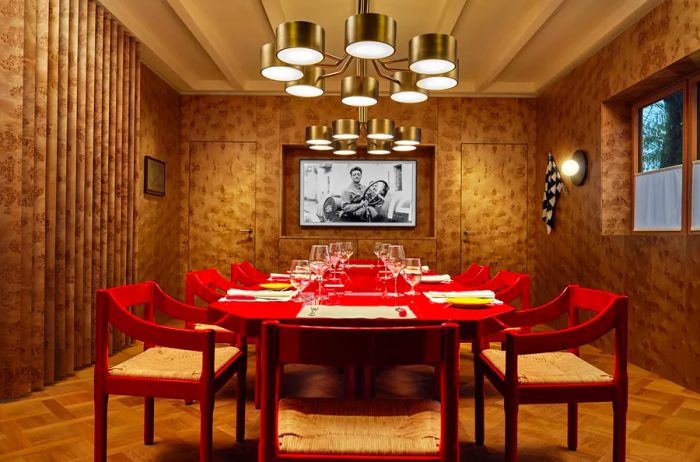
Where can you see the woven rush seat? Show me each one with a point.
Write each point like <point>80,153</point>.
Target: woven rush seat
<point>213,327</point>
<point>551,367</point>
<point>380,427</point>
<point>171,363</point>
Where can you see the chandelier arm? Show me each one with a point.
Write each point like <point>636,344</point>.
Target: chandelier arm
<point>390,69</point>
<point>394,61</point>
<point>348,59</point>
<point>379,72</point>
<point>337,58</point>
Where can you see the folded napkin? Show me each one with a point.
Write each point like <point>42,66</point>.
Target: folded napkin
<point>441,297</point>
<point>261,294</point>
<point>356,312</point>
<point>435,278</point>
<point>360,265</point>
<point>279,276</point>
<point>425,268</point>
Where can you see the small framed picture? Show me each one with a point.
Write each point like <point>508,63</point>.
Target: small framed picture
<point>154,176</point>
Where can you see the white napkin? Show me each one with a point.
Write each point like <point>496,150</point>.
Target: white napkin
<point>355,312</point>
<point>425,268</point>
<point>279,276</point>
<point>435,278</point>
<point>360,265</point>
<point>441,297</point>
<point>261,294</point>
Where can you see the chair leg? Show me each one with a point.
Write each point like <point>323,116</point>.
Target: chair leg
<point>436,382</point>
<point>619,429</point>
<point>206,428</point>
<point>478,405</point>
<point>511,410</point>
<point>240,403</point>
<point>100,444</point>
<point>258,377</point>
<point>572,434</point>
<point>148,418</point>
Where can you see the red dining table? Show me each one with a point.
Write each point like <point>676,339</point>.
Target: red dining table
<point>246,317</point>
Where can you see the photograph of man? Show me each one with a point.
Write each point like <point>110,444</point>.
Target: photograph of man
<point>351,198</point>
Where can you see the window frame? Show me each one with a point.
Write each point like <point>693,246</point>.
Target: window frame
<point>693,151</point>
<point>684,86</point>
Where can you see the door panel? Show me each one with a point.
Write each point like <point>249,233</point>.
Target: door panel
<point>221,204</point>
<point>494,206</point>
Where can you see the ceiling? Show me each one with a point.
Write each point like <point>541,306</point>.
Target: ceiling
<point>505,47</point>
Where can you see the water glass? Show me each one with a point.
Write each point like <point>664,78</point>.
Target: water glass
<point>300,275</point>
<point>412,273</point>
<point>395,261</point>
<point>319,261</point>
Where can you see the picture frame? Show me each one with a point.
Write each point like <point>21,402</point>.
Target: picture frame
<point>384,195</point>
<point>154,176</point>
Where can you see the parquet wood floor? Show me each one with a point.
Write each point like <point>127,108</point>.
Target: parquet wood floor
<point>55,424</point>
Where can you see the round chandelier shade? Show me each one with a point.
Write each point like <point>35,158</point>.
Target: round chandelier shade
<point>274,69</point>
<point>310,85</point>
<point>346,129</point>
<point>432,53</point>
<point>321,147</point>
<point>318,134</point>
<point>407,136</point>
<point>370,36</point>
<point>378,147</point>
<point>300,42</point>
<point>344,147</point>
<point>380,129</point>
<point>443,81</point>
<point>404,147</point>
<point>405,90</point>
<point>359,91</point>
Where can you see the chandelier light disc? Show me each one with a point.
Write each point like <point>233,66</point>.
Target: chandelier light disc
<point>301,43</point>
<point>403,147</point>
<point>321,147</point>
<point>380,129</point>
<point>439,81</point>
<point>344,147</point>
<point>309,86</point>
<point>378,147</point>
<point>370,36</point>
<point>432,53</point>
<point>405,90</point>
<point>346,129</point>
<point>318,134</point>
<point>274,69</point>
<point>359,91</point>
<point>407,136</point>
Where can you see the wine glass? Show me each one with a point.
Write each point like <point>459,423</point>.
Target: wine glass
<point>412,273</point>
<point>300,275</point>
<point>395,261</point>
<point>348,250</point>
<point>377,250</point>
<point>336,253</point>
<point>319,259</point>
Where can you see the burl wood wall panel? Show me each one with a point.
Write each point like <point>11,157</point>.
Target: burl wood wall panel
<point>273,122</point>
<point>158,253</point>
<point>592,246</point>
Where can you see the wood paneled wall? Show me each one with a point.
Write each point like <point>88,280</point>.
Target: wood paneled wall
<point>591,244</point>
<point>273,122</point>
<point>69,105</point>
<point>158,252</point>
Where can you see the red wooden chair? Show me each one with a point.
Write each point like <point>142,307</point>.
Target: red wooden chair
<point>508,287</point>
<point>329,429</point>
<point>535,369</point>
<point>475,274</point>
<point>209,286</point>
<point>246,274</point>
<point>175,363</point>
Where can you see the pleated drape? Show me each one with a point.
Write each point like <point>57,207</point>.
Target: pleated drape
<point>70,106</point>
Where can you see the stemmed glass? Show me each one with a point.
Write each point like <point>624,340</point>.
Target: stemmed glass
<point>348,250</point>
<point>412,273</point>
<point>300,275</point>
<point>337,255</point>
<point>395,261</point>
<point>319,259</point>
<point>378,250</point>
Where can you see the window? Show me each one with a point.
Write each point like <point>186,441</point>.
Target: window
<point>660,146</point>
<point>695,154</point>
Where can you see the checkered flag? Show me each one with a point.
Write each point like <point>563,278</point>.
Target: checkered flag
<point>552,188</point>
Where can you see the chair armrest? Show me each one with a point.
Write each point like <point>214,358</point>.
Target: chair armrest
<point>538,315</point>
<point>564,339</point>
<point>178,310</point>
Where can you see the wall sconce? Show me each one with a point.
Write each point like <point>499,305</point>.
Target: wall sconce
<point>576,167</point>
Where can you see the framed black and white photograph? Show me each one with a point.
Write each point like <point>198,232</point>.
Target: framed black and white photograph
<point>360,193</point>
<point>154,176</point>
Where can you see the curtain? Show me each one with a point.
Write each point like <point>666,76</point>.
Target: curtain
<point>695,200</point>
<point>658,203</point>
<point>68,134</point>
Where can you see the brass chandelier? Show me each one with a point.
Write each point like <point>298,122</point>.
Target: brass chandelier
<point>296,58</point>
